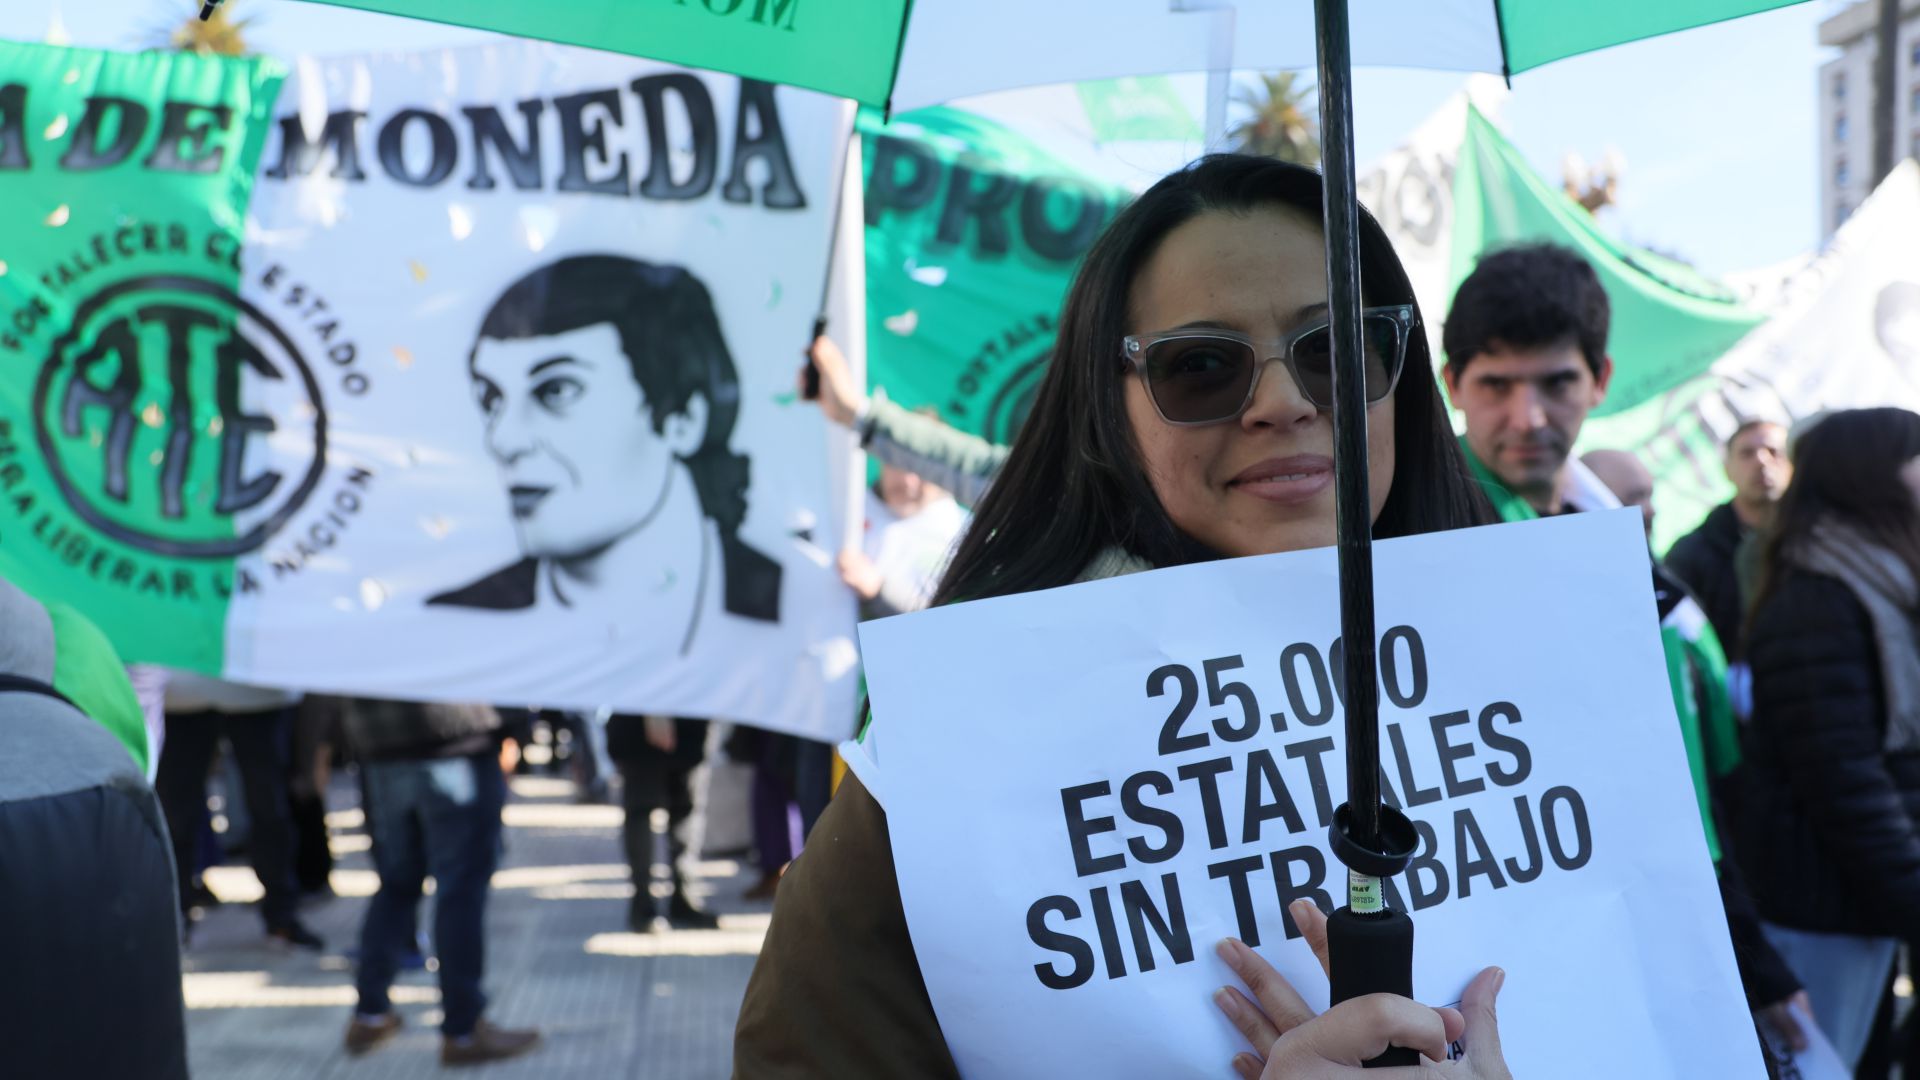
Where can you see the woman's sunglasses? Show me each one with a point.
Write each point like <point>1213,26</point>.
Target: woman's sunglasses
<point>1208,376</point>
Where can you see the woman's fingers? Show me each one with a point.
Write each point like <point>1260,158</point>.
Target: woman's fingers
<point>1482,1035</point>
<point>1455,1021</point>
<point>1270,990</point>
<point>1313,926</point>
<point>1248,1066</point>
<point>1247,1018</point>
<point>1355,1031</point>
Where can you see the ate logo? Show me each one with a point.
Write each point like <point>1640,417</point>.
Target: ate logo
<point>994,391</point>
<point>176,418</point>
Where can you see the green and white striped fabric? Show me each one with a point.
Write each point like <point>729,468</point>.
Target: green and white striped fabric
<point>925,52</point>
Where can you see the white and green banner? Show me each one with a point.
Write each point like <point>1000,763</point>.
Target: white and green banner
<point>1846,334</point>
<point>494,405</point>
<point>124,466</point>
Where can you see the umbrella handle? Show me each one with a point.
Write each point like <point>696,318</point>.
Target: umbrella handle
<point>1370,945</point>
<point>1372,954</point>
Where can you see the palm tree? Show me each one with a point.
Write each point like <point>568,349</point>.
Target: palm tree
<point>1280,123</point>
<point>218,34</point>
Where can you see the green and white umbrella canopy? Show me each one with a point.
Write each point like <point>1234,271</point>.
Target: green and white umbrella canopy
<point>911,53</point>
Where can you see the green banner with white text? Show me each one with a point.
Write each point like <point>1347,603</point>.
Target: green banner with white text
<point>973,234</point>
<point>124,487</point>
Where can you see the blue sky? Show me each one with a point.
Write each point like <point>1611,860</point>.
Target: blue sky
<point>1716,124</point>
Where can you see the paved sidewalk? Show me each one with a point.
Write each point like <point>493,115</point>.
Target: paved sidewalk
<point>611,1003</point>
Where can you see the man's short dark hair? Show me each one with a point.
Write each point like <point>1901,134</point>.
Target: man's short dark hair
<point>673,343</point>
<point>1748,425</point>
<point>1533,296</point>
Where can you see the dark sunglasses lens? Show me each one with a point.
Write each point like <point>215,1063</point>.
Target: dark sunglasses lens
<point>1197,379</point>
<point>1313,360</point>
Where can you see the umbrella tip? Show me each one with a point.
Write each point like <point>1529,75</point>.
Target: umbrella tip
<point>206,9</point>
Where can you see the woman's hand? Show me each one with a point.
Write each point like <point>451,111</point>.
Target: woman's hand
<point>840,398</point>
<point>1333,1045</point>
<point>1779,1016</point>
<point>860,574</point>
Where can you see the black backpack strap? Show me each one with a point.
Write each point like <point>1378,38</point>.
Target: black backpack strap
<point>21,684</point>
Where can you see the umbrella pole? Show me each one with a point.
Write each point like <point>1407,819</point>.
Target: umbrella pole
<point>1370,945</point>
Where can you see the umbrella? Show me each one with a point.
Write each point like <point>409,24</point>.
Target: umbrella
<point>908,53</point>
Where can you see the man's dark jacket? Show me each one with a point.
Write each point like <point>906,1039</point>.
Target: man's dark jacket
<point>89,915</point>
<point>1704,560</point>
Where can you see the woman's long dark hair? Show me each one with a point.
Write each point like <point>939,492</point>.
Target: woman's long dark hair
<point>1073,483</point>
<point>1846,470</point>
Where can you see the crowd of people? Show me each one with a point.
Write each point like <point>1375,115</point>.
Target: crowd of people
<point>1192,355</point>
<point>169,773</point>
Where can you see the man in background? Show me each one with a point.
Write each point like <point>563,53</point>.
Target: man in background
<point>1526,348</point>
<point>1627,478</point>
<point>434,789</point>
<point>1707,558</point>
<point>257,722</point>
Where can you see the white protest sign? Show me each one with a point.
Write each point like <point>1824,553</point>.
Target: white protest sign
<point>553,300</point>
<point>1088,787</point>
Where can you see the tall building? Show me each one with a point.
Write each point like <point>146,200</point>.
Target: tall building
<point>1845,119</point>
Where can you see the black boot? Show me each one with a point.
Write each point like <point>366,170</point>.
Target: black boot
<point>682,915</point>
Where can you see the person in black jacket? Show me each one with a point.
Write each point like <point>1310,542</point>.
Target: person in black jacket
<point>89,937</point>
<point>1829,834</point>
<point>1704,559</point>
<point>656,756</point>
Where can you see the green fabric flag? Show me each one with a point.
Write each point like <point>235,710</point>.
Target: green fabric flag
<point>1669,322</point>
<point>973,234</point>
<point>124,180</point>
<point>89,672</point>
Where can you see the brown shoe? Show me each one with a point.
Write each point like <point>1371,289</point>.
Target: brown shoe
<point>364,1035</point>
<point>487,1043</point>
<point>765,888</point>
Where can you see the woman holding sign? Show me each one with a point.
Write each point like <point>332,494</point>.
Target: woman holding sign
<point>1185,416</point>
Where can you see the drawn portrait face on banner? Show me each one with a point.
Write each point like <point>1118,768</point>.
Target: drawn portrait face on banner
<point>609,395</point>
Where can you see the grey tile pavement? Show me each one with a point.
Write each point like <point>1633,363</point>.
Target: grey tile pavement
<point>611,1003</point>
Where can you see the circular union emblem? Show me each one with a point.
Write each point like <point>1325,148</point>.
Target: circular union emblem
<point>177,418</point>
